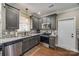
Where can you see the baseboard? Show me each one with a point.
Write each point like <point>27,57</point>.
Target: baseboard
<point>75,50</point>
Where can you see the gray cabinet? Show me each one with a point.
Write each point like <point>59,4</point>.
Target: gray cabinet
<point>49,22</point>
<point>30,42</point>
<point>40,23</point>
<point>25,44</point>
<point>12,18</point>
<point>52,42</point>
<point>37,39</point>
<point>34,40</point>
<point>53,21</point>
<point>35,22</point>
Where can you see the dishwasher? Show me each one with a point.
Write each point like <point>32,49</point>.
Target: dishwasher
<point>0,53</point>
<point>14,49</point>
<point>0,50</point>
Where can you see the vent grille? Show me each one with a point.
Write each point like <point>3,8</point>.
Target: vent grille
<point>50,6</point>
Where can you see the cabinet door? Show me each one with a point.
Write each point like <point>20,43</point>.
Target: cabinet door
<point>40,23</point>
<point>18,49</point>
<point>35,23</point>
<point>33,41</point>
<point>36,39</point>
<point>12,18</point>
<point>53,22</point>
<point>52,42</point>
<point>25,45</point>
<point>31,44</point>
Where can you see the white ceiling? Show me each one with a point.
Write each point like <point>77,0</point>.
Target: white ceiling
<point>43,8</point>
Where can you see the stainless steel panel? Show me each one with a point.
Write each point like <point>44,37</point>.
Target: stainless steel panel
<point>0,53</point>
<point>14,49</point>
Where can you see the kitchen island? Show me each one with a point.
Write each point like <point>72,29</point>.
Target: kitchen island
<point>19,45</point>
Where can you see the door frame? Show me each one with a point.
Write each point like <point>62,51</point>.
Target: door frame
<point>67,18</point>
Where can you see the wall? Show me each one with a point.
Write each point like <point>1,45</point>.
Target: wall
<point>24,22</point>
<point>8,33</point>
<point>74,12</point>
<point>0,22</point>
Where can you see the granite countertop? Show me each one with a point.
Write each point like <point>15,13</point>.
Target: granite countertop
<point>5,40</point>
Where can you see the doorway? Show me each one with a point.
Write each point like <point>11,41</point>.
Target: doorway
<point>67,34</point>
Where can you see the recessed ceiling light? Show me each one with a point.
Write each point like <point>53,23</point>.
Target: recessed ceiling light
<point>39,13</point>
<point>51,5</point>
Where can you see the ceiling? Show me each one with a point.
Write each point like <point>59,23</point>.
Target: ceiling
<point>44,8</point>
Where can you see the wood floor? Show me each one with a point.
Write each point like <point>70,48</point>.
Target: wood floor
<point>41,50</point>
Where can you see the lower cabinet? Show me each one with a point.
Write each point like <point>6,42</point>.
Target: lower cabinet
<point>25,44</point>
<point>37,39</point>
<point>44,39</point>
<point>30,42</point>
<point>52,42</point>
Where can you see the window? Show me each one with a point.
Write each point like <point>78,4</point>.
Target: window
<point>24,23</point>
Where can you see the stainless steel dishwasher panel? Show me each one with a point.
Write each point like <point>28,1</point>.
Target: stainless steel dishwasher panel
<point>0,53</point>
<point>14,49</point>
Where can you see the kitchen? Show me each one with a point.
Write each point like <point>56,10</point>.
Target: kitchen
<point>27,28</point>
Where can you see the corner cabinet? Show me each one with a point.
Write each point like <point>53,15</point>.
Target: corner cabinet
<point>12,17</point>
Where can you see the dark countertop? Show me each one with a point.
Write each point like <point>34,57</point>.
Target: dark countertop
<point>45,35</point>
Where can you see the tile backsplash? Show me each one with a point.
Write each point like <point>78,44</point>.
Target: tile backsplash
<point>7,34</point>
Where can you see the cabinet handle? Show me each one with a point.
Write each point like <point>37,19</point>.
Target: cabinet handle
<point>72,35</point>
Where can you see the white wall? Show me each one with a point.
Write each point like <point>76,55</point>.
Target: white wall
<point>68,13</point>
<point>0,22</point>
<point>24,22</point>
<point>74,12</point>
<point>71,13</point>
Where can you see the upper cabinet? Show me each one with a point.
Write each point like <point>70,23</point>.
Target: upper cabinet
<point>12,17</point>
<point>35,23</point>
<point>53,21</point>
<point>40,23</point>
<point>44,23</point>
<point>49,22</point>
